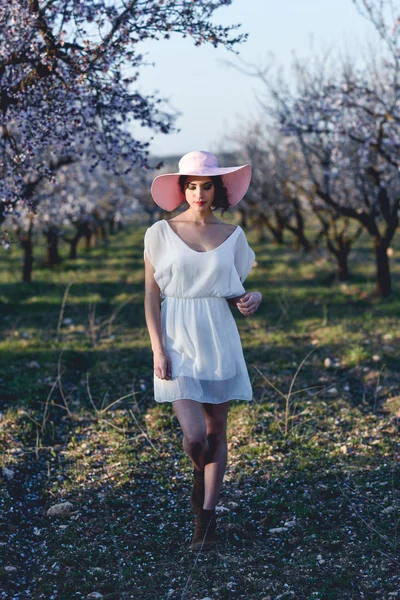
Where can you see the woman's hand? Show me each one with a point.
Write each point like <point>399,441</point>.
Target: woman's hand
<point>162,364</point>
<point>249,302</point>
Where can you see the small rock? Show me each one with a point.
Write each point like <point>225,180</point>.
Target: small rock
<point>97,570</point>
<point>278,529</point>
<point>332,390</point>
<point>290,524</point>
<point>9,473</point>
<point>94,596</point>
<point>67,321</point>
<point>221,510</point>
<point>388,509</point>
<point>10,569</point>
<point>36,531</point>
<point>343,449</point>
<point>33,364</point>
<point>376,358</point>
<point>59,510</point>
<point>327,363</point>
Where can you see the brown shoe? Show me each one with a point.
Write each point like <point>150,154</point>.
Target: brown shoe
<point>204,533</point>
<point>197,495</point>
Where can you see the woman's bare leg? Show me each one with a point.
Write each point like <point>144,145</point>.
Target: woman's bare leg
<point>216,416</point>
<point>204,441</point>
<point>190,415</point>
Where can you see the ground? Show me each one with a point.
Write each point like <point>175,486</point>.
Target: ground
<point>310,503</point>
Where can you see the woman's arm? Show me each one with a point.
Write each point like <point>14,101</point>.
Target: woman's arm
<point>162,362</point>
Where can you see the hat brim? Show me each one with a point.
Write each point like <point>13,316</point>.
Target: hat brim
<point>166,193</point>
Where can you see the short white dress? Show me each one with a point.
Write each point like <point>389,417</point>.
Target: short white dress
<point>199,331</point>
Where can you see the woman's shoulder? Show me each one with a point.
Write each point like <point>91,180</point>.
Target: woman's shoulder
<point>156,225</point>
<point>228,226</point>
<point>232,226</point>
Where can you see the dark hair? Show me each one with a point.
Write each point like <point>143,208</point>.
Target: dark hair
<point>220,195</point>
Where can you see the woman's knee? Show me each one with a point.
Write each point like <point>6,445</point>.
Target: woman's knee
<point>195,444</point>
<point>217,430</point>
<point>216,436</point>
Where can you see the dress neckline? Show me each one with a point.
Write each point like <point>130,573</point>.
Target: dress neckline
<point>200,251</point>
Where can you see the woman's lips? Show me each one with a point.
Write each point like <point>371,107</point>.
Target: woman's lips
<point>200,203</point>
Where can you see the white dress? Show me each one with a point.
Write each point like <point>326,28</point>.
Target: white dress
<point>199,331</point>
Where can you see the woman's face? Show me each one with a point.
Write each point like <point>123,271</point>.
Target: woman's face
<point>199,192</point>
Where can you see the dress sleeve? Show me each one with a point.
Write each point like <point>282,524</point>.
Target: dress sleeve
<point>244,256</point>
<point>152,245</point>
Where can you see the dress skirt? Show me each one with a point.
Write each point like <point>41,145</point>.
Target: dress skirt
<point>203,342</point>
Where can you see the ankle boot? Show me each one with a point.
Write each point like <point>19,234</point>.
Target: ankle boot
<point>197,495</point>
<point>204,533</point>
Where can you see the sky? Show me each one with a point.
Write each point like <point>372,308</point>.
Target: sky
<point>214,99</point>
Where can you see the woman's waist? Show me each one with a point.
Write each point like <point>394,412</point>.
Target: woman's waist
<point>199,298</point>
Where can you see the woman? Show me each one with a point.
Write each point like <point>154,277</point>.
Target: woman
<point>197,264</point>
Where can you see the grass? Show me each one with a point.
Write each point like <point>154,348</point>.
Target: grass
<point>310,503</point>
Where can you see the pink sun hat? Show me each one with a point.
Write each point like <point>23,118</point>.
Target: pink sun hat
<point>165,188</point>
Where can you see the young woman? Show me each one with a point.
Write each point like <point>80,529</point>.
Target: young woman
<point>198,264</point>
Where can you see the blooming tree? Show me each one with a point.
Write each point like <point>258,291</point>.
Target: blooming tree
<point>347,124</point>
<point>68,71</point>
<point>273,193</point>
<point>75,207</point>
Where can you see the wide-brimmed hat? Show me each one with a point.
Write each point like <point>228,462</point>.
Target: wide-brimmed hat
<point>166,191</point>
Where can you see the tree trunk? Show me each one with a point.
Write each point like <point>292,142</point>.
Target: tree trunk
<point>301,240</point>
<point>81,230</point>
<point>73,245</point>
<point>261,237</point>
<point>101,232</point>
<point>111,226</point>
<point>340,249</point>
<point>88,239</point>
<point>383,278</point>
<point>52,256</point>
<point>28,261</point>
<point>280,226</point>
<point>343,265</point>
<point>298,229</point>
<point>27,246</point>
<point>277,234</point>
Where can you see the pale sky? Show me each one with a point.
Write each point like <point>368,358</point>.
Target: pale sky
<point>213,97</point>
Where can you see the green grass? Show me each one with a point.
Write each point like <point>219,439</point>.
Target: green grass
<point>333,476</point>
